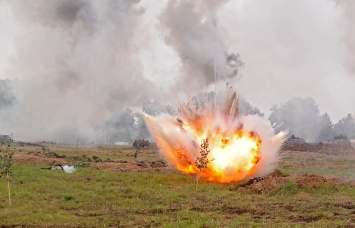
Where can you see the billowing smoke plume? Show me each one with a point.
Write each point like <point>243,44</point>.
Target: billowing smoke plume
<point>192,31</point>
<point>78,63</point>
<point>293,48</point>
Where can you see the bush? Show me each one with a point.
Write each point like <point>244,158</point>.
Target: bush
<point>140,143</point>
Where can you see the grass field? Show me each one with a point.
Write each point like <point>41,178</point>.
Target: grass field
<point>128,195</point>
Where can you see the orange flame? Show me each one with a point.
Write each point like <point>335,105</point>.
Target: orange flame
<point>236,151</point>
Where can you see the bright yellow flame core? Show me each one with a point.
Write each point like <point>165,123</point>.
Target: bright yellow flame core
<point>232,159</point>
<point>232,155</point>
<point>238,154</point>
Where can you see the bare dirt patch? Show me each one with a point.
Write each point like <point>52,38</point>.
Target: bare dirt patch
<point>33,158</point>
<point>135,166</point>
<point>323,148</point>
<point>339,158</point>
<point>277,179</point>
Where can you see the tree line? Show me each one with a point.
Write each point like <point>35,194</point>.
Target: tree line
<point>299,116</point>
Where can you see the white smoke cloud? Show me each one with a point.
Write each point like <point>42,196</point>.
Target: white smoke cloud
<point>297,48</point>
<point>80,62</point>
<point>348,24</point>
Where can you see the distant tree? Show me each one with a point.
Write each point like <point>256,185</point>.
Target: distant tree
<point>346,126</point>
<point>7,97</point>
<point>210,98</point>
<point>153,108</point>
<point>247,109</point>
<point>140,143</point>
<point>326,128</point>
<point>342,137</point>
<point>121,127</point>
<point>300,116</point>
<point>141,126</point>
<point>127,127</point>
<point>170,110</point>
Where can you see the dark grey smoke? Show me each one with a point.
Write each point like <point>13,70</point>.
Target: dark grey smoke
<point>191,29</point>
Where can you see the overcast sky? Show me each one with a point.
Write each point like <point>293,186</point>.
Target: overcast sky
<point>289,48</point>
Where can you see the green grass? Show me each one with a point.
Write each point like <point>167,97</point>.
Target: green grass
<point>91,153</point>
<point>321,171</point>
<point>102,151</point>
<point>95,198</point>
<point>345,162</point>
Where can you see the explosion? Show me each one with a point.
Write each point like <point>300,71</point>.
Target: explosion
<point>234,147</point>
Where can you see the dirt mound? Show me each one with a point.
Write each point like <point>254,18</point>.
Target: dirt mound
<point>337,149</point>
<point>310,147</point>
<point>325,148</point>
<point>36,159</point>
<point>311,181</point>
<point>294,140</point>
<point>278,180</point>
<point>135,166</point>
<point>269,182</point>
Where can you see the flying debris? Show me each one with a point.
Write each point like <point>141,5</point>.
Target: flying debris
<point>241,147</point>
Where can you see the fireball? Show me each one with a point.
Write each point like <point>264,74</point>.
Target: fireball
<point>217,142</point>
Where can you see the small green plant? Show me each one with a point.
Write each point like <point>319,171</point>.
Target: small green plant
<point>202,161</point>
<point>83,165</point>
<point>6,162</point>
<point>67,198</point>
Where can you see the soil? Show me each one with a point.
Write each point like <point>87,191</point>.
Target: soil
<point>324,148</point>
<point>277,178</point>
<point>34,158</point>
<point>296,156</point>
<point>120,165</point>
